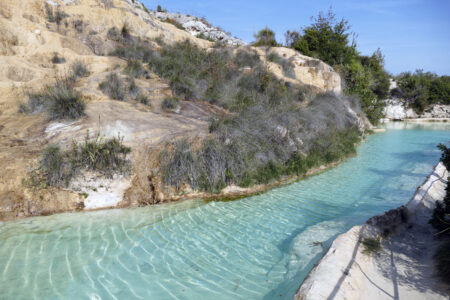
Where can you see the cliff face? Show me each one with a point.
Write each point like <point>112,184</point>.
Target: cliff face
<point>31,32</point>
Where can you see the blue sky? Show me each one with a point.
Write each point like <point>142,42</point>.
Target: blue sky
<point>412,34</point>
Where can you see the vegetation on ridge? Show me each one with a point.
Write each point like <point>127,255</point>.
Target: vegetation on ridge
<point>328,40</point>
<point>254,146</point>
<point>269,133</point>
<point>422,89</point>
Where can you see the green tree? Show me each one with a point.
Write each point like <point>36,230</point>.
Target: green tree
<point>326,39</point>
<point>422,89</point>
<point>265,37</point>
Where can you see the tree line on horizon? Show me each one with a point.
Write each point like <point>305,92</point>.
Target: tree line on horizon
<point>330,40</point>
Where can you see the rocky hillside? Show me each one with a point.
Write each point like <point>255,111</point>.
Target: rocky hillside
<point>399,109</point>
<point>199,27</point>
<point>44,43</point>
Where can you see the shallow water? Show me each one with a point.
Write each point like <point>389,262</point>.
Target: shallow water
<point>260,247</point>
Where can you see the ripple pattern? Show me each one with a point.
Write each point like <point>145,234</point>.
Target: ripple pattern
<point>259,247</point>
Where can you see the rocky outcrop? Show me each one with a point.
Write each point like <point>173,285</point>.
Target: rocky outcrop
<point>306,70</point>
<point>396,109</point>
<point>403,266</point>
<point>199,27</point>
<point>437,111</point>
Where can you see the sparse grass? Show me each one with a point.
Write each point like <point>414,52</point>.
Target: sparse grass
<point>57,60</point>
<point>64,102</point>
<point>106,156</point>
<point>61,101</point>
<point>54,17</point>
<point>79,69</point>
<point>371,246</point>
<point>78,25</point>
<point>113,86</point>
<point>170,104</point>
<point>49,12</point>
<point>113,34</point>
<point>143,99</point>
<point>57,168</point>
<point>135,69</point>
<point>59,16</point>
<point>54,167</point>
<point>133,51</point>
<point>133,89</point>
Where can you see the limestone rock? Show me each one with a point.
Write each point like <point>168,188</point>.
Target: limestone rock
<point>197,26</point>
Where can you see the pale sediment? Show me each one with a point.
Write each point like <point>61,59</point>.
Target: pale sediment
<point>402,269</point>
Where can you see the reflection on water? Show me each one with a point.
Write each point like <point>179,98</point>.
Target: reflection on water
<point>259,247</point>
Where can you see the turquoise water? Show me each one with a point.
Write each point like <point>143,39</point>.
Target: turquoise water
<point>259,247</point>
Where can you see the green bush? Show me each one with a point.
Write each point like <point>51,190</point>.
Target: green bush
<point>60,101</point>
<point>99,154</point>
<point>133,51</point>
<point>371,245</point>
<point>170,103</point>
<point>328,40</point>
<point>422,89</point>
<point>105,156</point>
<point>63,102</point>
<point>160,9</point>
<point>246,58</point>
<point>79,69</point>
<point>49,12</point>
<point>58,60</point>
<point>113,86</point>
<point>113,34</point>
<point>143,99</point>
<point>55,169</point>
<point>265,37</point>
<point>56,17</point>
<point>135,69</point>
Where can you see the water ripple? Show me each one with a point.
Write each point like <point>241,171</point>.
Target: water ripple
<point>254,248</point>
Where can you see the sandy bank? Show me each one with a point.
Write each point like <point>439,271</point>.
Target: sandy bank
<point>402,269</point>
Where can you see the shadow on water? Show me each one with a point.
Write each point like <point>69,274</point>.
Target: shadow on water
<point>414,155</point>
<point>396,172</point>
